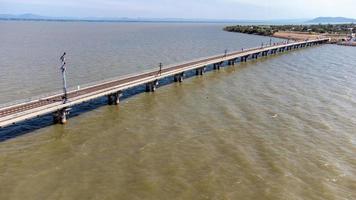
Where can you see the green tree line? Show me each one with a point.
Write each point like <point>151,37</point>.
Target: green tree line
<point>268,30</point>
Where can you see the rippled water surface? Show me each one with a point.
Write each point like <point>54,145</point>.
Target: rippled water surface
<point>282,127</point>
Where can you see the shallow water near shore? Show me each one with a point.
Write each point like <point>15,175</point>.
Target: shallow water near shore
<point>282,127</point>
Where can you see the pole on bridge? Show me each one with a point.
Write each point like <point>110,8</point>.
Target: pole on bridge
<point>60,116</point>
<point>63,70</point>
<point>160,69</point>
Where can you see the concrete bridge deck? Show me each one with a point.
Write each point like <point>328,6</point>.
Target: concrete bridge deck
<point>54,104</point>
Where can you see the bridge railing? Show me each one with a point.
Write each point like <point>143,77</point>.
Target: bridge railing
<point>30,99</point>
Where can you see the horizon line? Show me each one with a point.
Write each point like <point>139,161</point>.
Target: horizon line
<point>28,16</point>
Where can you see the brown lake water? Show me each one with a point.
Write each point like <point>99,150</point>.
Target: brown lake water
<point>282,127</point>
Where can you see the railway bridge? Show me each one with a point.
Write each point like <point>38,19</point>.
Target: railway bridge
<point>25,110</point>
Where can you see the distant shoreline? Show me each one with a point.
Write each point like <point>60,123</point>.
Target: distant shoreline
<point>137,20</point>
<point>34,17</point>
<point>112,21</point>
<point>343,34</point>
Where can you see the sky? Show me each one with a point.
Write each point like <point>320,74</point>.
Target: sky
<point>189,9</point>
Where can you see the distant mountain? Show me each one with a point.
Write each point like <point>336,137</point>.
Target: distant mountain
<point>332,20</point>
<point>33,17</point>
<point>23,16</point>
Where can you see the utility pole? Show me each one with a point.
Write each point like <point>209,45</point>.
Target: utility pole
<point>63,70</point>
<point>160,69</point>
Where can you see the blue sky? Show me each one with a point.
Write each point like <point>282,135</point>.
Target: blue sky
<point>202,9</point>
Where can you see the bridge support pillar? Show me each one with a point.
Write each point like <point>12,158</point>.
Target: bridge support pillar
<point>217,66</point>
<point>255,56</point>
<point>151,86</point>
<point>179,77</point>
<point>200,71</point>
<point>114,99</point>
<point>231,62</point>
<point>60,116</point>
<point>244,58</point>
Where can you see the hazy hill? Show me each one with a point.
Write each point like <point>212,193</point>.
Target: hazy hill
<point>34,17</point>
<point>23,16</point>
<point>332,20</point>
